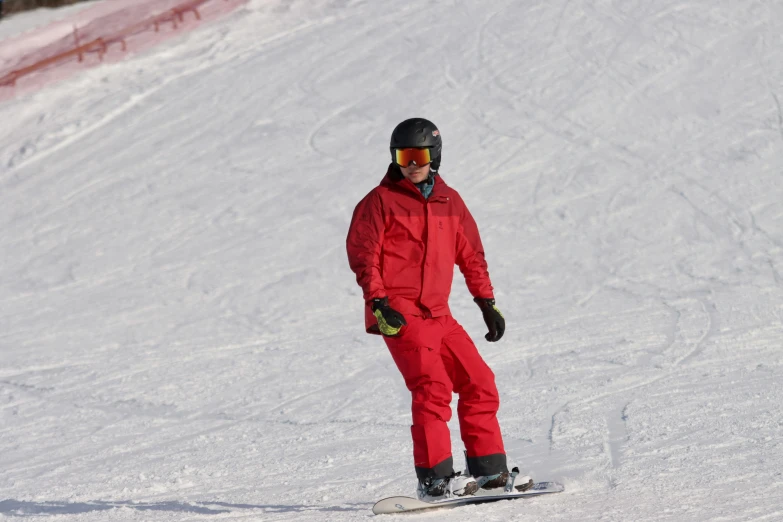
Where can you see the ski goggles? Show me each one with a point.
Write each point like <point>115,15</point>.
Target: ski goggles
<point>404,157</point>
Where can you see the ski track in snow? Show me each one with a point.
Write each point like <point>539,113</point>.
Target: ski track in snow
<point>181,337</point>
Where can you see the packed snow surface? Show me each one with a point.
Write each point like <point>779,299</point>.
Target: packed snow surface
<point>181,337</point>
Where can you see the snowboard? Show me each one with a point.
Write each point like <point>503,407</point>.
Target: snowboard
<point>407,504</point>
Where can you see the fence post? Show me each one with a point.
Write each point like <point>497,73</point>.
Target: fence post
<point>77,43</point>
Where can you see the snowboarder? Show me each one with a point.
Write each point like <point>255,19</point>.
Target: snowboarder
<point>405,237</point>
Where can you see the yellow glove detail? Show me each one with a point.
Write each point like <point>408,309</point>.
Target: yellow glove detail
<point>384,327</point>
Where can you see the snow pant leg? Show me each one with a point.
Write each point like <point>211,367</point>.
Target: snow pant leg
<point>416,352</point>
<point>478,400</point>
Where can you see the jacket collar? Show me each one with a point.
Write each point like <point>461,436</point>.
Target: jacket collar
<point>395,180</point>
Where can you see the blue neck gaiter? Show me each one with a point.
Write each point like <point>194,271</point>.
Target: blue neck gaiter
<point>425,187</point>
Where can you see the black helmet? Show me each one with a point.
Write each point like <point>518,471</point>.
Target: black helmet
<point>418,133</point>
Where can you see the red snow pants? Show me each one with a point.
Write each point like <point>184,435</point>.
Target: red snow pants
<point>437,357</point>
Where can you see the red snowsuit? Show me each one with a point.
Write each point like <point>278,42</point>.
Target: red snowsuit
<point>404,247</point>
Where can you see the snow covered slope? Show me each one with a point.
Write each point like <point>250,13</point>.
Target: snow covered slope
<point>180,335</point>
<point>25,21</point>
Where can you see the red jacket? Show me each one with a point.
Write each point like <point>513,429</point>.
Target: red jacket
<point>405,247</point>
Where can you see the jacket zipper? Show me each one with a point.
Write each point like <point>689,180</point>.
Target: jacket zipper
<point>427,313</point>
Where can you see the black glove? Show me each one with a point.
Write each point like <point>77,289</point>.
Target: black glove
<point>493,318</point>
<point>390,321</point>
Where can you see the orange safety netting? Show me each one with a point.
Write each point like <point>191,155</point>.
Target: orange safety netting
<point>101,33</point>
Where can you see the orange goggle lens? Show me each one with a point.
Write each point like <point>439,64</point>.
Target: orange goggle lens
<point>405,157</point>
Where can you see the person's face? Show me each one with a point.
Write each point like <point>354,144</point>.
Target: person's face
<point>416,173</point>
